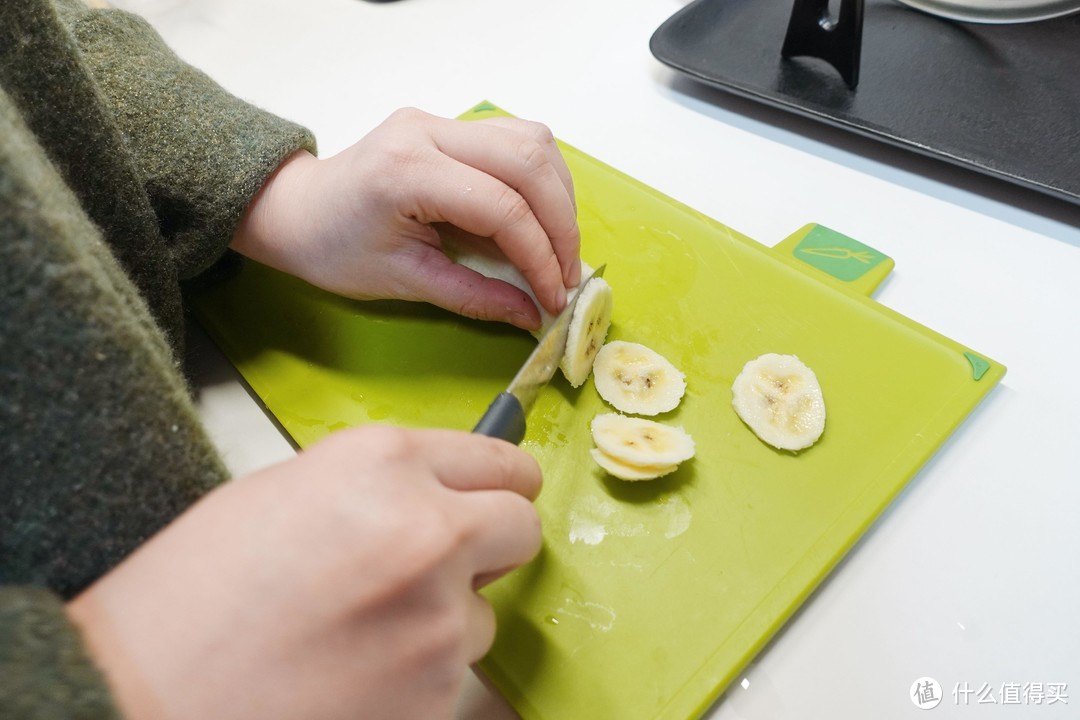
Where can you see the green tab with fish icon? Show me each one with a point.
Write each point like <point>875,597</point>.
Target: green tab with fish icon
<point>842,257</point>
<point>858,267</point>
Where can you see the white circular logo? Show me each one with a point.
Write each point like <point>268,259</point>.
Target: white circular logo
<point>925,693</point>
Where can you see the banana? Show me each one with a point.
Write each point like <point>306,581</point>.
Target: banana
<point>779,397</point>
<point>633,448</point>
<point>637,441</point>
<point>588,328</point>
<point>637,380</point>
<point>589,323</point>
<point>625,471</point>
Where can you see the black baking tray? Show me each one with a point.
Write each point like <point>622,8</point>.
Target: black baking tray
<point>1000,99</point>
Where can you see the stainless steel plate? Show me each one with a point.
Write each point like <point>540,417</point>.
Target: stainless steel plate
<point>996,11</point>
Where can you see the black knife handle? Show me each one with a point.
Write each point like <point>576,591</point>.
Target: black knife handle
<point>505,418</point>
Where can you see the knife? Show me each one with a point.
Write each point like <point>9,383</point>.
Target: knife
<point>505,417</point>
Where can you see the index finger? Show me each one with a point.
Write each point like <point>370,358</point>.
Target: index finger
<point>483,205</point>
<point>464,461</point>
<point>523,155</point>
<point>542,134</point>
<point>565,235</point>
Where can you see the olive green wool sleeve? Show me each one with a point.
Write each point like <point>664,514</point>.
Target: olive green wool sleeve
<point>161,158</point>
<point>44,671</point>
<point>123,172</point>
<point>203,154</point>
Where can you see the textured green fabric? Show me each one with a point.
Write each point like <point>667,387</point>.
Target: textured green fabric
<point>123,172</point>
<point>44,671</point>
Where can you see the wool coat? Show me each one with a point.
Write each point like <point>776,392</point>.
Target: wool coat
<point>124,173</point>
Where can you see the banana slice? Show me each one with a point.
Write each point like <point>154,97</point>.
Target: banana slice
<point>638,449</point>
<point>779,397</point>
<point>589,323</point>
<point>588,328</point>
<point>625,471</point>
<point>637,441</point>
<point>635,379</point>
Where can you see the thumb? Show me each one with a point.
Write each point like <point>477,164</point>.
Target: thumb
<point>440,281</point>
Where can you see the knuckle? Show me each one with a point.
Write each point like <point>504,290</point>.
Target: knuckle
<point>540,132</point>
<point>403,143</point>
<point>537,131</point>
<point>531,156</point>
<point>437,535</point>
<point>511,207</point>
<point>407,115</point>
<point>345,458</point>
<point>380,442</point>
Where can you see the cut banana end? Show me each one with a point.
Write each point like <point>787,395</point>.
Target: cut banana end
<point>779,397</point>
<point>637,380</point>
<point>589,323</point>
<point>641,442</point>
<point>625,471</point>
<point>588,329</point>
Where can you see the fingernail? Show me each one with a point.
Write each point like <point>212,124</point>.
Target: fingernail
<point>560,298</point>
<point>525,321</point>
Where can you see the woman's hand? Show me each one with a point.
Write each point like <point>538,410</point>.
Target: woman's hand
<point>361,223</point>
<point>339,584</point>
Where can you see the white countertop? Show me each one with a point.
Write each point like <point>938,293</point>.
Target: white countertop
<point>971,575</point>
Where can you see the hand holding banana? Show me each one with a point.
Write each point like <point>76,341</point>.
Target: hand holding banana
<point>362,223</point>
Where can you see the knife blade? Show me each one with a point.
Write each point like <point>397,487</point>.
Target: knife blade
<point>505,417</point>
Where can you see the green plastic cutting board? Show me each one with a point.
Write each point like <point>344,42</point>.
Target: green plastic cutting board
<point>647,599</point>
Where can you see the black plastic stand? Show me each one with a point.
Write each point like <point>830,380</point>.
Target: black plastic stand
<point>813,32</point>
<point>1003,100</point>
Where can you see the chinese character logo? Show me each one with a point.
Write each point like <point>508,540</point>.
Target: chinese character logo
<point>925,693</point>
